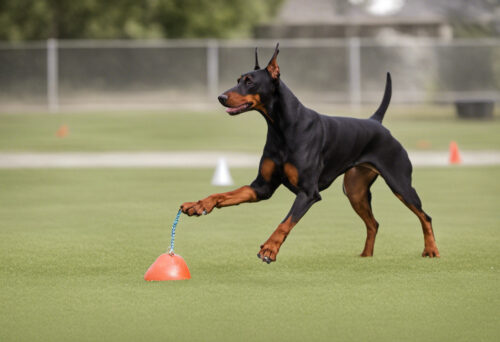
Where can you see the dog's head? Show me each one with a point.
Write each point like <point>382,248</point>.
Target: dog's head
<point>254,90</point>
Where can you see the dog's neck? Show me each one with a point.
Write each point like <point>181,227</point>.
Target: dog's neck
<point>284,110</point>
<point>285,116</point>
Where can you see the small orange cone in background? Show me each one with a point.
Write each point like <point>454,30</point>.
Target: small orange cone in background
<point>423,144</point>
<point>168,267</point>
<point>454,153</point>
<point>62,131</point>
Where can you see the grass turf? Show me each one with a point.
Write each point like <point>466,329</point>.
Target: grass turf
<point>415,127</point>
<point>74,245</point>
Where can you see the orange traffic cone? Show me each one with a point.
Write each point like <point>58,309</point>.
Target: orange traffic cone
<point>454,153</point>
<point>423,144</point>
<point>168,267</point>
<point>62,131</point>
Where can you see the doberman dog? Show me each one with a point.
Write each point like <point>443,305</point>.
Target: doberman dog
<point>307,151</point>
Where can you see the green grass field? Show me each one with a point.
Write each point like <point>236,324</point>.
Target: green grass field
<point>75,243</point>
<point>432,127</point>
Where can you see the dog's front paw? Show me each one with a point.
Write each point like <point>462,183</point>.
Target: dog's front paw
<point>202,207</point>
<point>431,252</point>
<point>268,251</point>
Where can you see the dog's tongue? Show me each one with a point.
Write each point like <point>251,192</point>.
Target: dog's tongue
<point>236,109</point>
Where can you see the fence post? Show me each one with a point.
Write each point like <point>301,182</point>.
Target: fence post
<point>355,73</point>
<point>52,76</point>
<point>212,68</point>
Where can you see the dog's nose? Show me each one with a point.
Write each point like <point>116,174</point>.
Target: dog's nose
<point>222,99</point>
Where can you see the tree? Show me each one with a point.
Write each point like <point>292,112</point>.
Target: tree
<point>66,19</point>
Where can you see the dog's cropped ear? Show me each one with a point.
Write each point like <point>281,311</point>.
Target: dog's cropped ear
<point>272,67</point>
<point>257,67</point>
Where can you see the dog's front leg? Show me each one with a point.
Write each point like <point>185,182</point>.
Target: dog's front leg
<point>269,250</point>
<point>206,205</point>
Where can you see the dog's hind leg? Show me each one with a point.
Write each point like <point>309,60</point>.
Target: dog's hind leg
<point>430,247</point>
<point>357,183</point>
<point>400,184</point>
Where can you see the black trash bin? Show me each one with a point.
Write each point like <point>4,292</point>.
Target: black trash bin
<point>475,109</point>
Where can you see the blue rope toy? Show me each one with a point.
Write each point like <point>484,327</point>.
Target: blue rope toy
<point>172,239</point>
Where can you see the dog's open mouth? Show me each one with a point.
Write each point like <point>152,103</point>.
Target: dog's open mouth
<point>239,109</point>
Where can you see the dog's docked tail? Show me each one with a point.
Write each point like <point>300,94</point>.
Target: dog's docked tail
<point>379,114</point>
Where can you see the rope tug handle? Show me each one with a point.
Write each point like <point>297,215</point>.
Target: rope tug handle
<point>172,239</point>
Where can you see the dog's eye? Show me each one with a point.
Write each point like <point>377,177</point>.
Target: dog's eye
<point>248,82</point>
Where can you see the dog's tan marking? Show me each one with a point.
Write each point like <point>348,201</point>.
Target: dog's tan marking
<point>267,169</point>
<point>272,246</point>
<point>235,100</point>
<point>292,174</point>
<point>206,205</point>
<point>357,182</point>
<point>430,249</point>
<point>369,166</point>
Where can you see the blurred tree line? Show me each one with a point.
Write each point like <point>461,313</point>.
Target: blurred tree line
<point>94,19</point>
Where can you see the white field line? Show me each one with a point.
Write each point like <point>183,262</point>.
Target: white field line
<point>199,159</point>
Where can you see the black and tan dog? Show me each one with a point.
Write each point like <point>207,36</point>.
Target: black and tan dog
<point>307,151</point>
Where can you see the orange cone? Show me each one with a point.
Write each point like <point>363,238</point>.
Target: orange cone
<point>423,144</point>
<point>454,153</point>
<point>62,131</point>
<point>168,267</point>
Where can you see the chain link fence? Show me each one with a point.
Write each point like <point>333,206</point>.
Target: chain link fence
<point>117,74</point>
